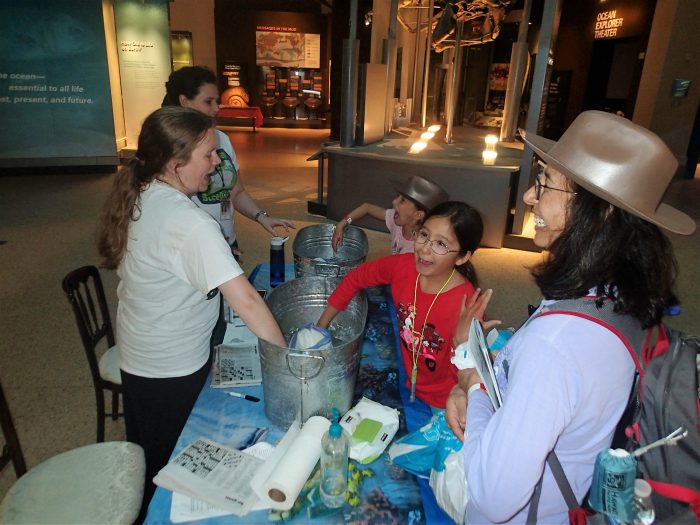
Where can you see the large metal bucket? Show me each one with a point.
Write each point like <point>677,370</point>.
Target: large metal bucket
<point>304,383</point>
<point>314,255</point>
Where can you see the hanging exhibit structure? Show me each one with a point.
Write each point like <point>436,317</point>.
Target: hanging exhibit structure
<point>362,170</point>
<point>449,26</point>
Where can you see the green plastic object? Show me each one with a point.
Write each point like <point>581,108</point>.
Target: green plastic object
<point>367,430</point>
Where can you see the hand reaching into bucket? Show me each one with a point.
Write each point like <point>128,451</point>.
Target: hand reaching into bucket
<point>327,316</point>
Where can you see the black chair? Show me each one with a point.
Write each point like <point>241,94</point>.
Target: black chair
<point>11,451</point>
<point>86,295</point>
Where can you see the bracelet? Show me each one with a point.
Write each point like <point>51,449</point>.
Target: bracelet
<point>475,387</point>
<point>348,219</point>
<point>257,215</point>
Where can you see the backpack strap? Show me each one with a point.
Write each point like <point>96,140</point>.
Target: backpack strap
<point>625,327</point>
<point>577,514</point>
<point>678,493</point>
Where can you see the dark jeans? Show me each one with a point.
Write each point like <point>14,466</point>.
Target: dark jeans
<point>155,412</point>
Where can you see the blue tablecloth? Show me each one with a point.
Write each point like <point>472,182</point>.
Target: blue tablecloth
<point>387,494</point>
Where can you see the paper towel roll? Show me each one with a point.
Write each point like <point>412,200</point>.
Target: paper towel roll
<point>261,477</point>
<point>296,464</point>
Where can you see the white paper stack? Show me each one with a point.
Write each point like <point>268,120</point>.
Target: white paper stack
<point>212,473</point>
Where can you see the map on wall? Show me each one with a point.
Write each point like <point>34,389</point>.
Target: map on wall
<point>284,49</point>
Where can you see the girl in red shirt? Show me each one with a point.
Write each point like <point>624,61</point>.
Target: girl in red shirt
<point>428,288</point>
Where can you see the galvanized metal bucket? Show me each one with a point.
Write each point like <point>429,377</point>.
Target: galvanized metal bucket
<point>299,384</point>
<point>314,255</point>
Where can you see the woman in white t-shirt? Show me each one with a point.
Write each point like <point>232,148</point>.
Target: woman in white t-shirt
<point>172,261</point>
<point>196,87</point>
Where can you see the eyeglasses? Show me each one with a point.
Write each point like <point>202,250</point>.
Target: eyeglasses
<point>438,247</point>
<point>539,185</point>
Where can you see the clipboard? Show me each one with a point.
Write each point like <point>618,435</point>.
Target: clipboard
<point>479,350</point>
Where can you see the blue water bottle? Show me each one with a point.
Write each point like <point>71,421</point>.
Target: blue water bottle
<point>612,489</point>
<point>277,260</point>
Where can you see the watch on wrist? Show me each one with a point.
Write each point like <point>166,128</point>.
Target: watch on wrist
<point>261,213</point>
<point>348,220</point>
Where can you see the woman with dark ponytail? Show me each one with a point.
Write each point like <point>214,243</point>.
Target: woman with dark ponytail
<point>172,261</point>
<point>428,289</point>
<point>196,87</point>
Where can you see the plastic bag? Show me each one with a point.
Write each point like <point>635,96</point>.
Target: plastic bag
<point>450,486</point>
<point>311,337</point>
<point>425,449</point>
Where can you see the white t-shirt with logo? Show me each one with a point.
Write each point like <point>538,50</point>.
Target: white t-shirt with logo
<point>221,182</point>
<point>175,256</point>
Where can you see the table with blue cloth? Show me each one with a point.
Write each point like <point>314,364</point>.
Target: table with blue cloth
<point>383,493</point>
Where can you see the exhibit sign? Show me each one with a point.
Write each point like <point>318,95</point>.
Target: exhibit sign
<point>619,19</point>
<point>55,104</point>
<point>143,46</point>
<point>181,49</point>
<point>235,94</point>
<point>283,46</point>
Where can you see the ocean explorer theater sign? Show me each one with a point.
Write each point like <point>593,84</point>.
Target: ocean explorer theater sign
<point>608,24</point>
<point>626,18</point>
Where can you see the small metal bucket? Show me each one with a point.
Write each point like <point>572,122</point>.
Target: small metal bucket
<point>314,255</point>
<point>305,383</point>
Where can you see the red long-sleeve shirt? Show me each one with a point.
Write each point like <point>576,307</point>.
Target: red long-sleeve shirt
<point>436,374</point>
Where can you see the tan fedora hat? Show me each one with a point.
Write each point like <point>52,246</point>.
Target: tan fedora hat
<point>424,192</point>
<point>618,161</point>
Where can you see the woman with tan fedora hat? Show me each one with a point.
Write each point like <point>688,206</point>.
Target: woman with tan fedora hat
<point>566,379</point>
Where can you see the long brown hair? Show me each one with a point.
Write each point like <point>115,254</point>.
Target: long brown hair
<point>169,133</point>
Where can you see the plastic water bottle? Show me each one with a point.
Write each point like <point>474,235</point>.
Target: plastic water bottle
<point>334,464</point>
<point>277,260</point>
<point>643,503</point>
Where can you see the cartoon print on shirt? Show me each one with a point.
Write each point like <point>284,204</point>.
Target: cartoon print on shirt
<point>221,180</point>
<point>432,342</point>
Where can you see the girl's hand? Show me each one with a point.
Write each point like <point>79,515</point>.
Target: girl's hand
<point>270,223</point>
<point>338,234</point>
<point>473,310</point>
<point>456,405</point>
<point>327,316</point>
<point>456,411</point>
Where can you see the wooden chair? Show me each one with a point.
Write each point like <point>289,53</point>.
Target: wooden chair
<point>86,295</point>
<point>11,451</point>
<point>98,483</point>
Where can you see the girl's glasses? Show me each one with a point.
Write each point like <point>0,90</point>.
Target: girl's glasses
<point>438,247</point>
<point>539,184</point>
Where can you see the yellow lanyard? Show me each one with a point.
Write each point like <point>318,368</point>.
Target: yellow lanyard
<point>416,346</point>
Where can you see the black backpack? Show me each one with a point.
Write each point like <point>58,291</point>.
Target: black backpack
<point>665,397</point>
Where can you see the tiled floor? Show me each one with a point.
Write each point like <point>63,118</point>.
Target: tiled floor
<point>49,223</point>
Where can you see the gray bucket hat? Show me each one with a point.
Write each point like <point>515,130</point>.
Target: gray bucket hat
<point>424,192</point>
<point>620,162</point>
